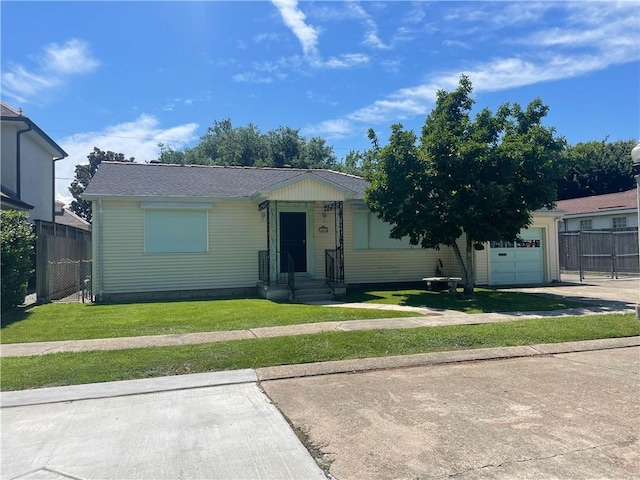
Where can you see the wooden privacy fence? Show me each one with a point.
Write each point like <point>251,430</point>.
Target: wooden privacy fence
<point>57,247</point>
<point>609,252</point>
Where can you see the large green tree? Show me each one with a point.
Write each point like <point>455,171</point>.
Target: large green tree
<point>84,174</point>
<point>224,144</point>
<point>479,177</point>
<point>596,168</point>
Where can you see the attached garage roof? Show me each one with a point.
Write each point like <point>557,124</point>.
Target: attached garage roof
<point>600,203</point>
<point>127,179</point>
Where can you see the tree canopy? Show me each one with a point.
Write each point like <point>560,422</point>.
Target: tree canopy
<point>482,177</point>
<point>224,144</point>
<point>596,168</point>
<point>84,173</point>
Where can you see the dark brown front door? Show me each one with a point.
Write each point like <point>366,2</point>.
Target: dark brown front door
<point>293,240</point>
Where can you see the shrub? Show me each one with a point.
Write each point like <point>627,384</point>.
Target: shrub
<point>17,244</point>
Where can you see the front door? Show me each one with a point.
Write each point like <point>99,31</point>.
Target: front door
<point>293,240</point>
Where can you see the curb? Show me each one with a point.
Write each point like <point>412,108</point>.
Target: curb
<point>425,359</point>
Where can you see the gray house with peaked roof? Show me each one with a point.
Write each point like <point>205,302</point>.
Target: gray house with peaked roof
<point>166,230</point>
<point>28,157</point>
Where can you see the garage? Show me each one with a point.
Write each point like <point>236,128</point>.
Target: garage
<point>520,262</point>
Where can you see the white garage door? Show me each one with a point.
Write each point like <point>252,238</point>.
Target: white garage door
<point>520,262</point>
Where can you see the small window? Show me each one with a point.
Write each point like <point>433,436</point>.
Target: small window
<point>586,224</point>
<point>619,223</point>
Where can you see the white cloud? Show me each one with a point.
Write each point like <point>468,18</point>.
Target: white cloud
<point>138,139</point>
<point>295,20</point>
<point>55,66</point>
<point>371,37</point>
<point>251,77</point>
<point>607,34</point>
<point>70,58</point>
<point>330,129</point>
<point>346,60</point>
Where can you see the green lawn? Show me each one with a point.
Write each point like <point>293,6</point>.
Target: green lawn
<point>102,366</point>
<point>485,300</point>
<point>78,321</point>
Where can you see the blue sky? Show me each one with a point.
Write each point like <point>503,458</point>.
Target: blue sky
<point>125,76</point>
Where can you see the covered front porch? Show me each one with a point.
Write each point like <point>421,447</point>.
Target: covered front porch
<point>304,227</point>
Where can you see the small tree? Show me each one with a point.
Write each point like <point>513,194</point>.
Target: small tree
<point>17,244</point>
<point>84,174</point>
<point>480,177</point>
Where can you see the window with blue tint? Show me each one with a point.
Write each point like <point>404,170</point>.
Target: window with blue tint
<point>176,231</point>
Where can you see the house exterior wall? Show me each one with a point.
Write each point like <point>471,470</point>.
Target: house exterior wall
<point>387,265</point>
<point>8,146</point>
<point>36,172</point>
<point>306,191</point>
<point>235,232</point>
<point>599,222</point>
<point>36,176</point>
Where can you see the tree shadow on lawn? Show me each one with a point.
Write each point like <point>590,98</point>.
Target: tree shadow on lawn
<point>484,300</point>
<point>14,316</point>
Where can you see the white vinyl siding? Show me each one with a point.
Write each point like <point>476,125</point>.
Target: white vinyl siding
<point>236,233</point>
<point>175,231</point>
<point>375,266</point>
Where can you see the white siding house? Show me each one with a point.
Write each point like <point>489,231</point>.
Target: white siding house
<point>161,230</point>
<point>27,165</point>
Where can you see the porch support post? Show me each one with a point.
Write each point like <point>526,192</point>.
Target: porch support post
<point>339,238</point>
<point>272,241</point>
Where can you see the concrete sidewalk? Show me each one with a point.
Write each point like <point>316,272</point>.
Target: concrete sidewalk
<point>427,318</point>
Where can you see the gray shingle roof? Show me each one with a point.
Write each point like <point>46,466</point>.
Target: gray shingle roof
<point>162,180</point>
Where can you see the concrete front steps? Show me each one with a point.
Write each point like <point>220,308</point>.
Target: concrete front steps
<point>311,290</point>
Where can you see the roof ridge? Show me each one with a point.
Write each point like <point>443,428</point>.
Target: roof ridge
<point>234,167</point>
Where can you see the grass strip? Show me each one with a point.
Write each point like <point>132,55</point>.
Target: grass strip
<point>484,301</point>
<point>78,321</point>
<point>102,366</point>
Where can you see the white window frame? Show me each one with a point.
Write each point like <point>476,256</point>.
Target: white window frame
<point>586,224</point>
<point>174,228</point>
<point>368,234</point>
<point>622,220</point>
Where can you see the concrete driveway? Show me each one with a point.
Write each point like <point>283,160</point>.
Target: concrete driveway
<point>573,415</point>
<point>218,426</point>
<point>622,291</point>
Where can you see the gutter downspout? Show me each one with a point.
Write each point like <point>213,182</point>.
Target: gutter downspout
<point>19,161</point>
<point>99,250</point>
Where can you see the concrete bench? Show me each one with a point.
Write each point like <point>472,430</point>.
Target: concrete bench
<point>439,283</point>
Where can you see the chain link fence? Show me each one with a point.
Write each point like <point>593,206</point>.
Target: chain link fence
<point>69,280</point>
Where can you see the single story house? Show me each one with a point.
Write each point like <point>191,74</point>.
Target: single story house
<point>612,211</point>
<point>170,230</point>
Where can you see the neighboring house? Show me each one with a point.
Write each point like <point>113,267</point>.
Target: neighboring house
<point>66,217</point>
<point>27,159</point>
<point>612,211</point>
<point>174,230</point>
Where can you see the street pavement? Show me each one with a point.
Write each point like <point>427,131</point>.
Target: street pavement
<point>565,416</point>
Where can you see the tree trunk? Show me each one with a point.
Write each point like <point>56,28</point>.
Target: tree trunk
<point>461,264</point>
<point>470,282</point>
